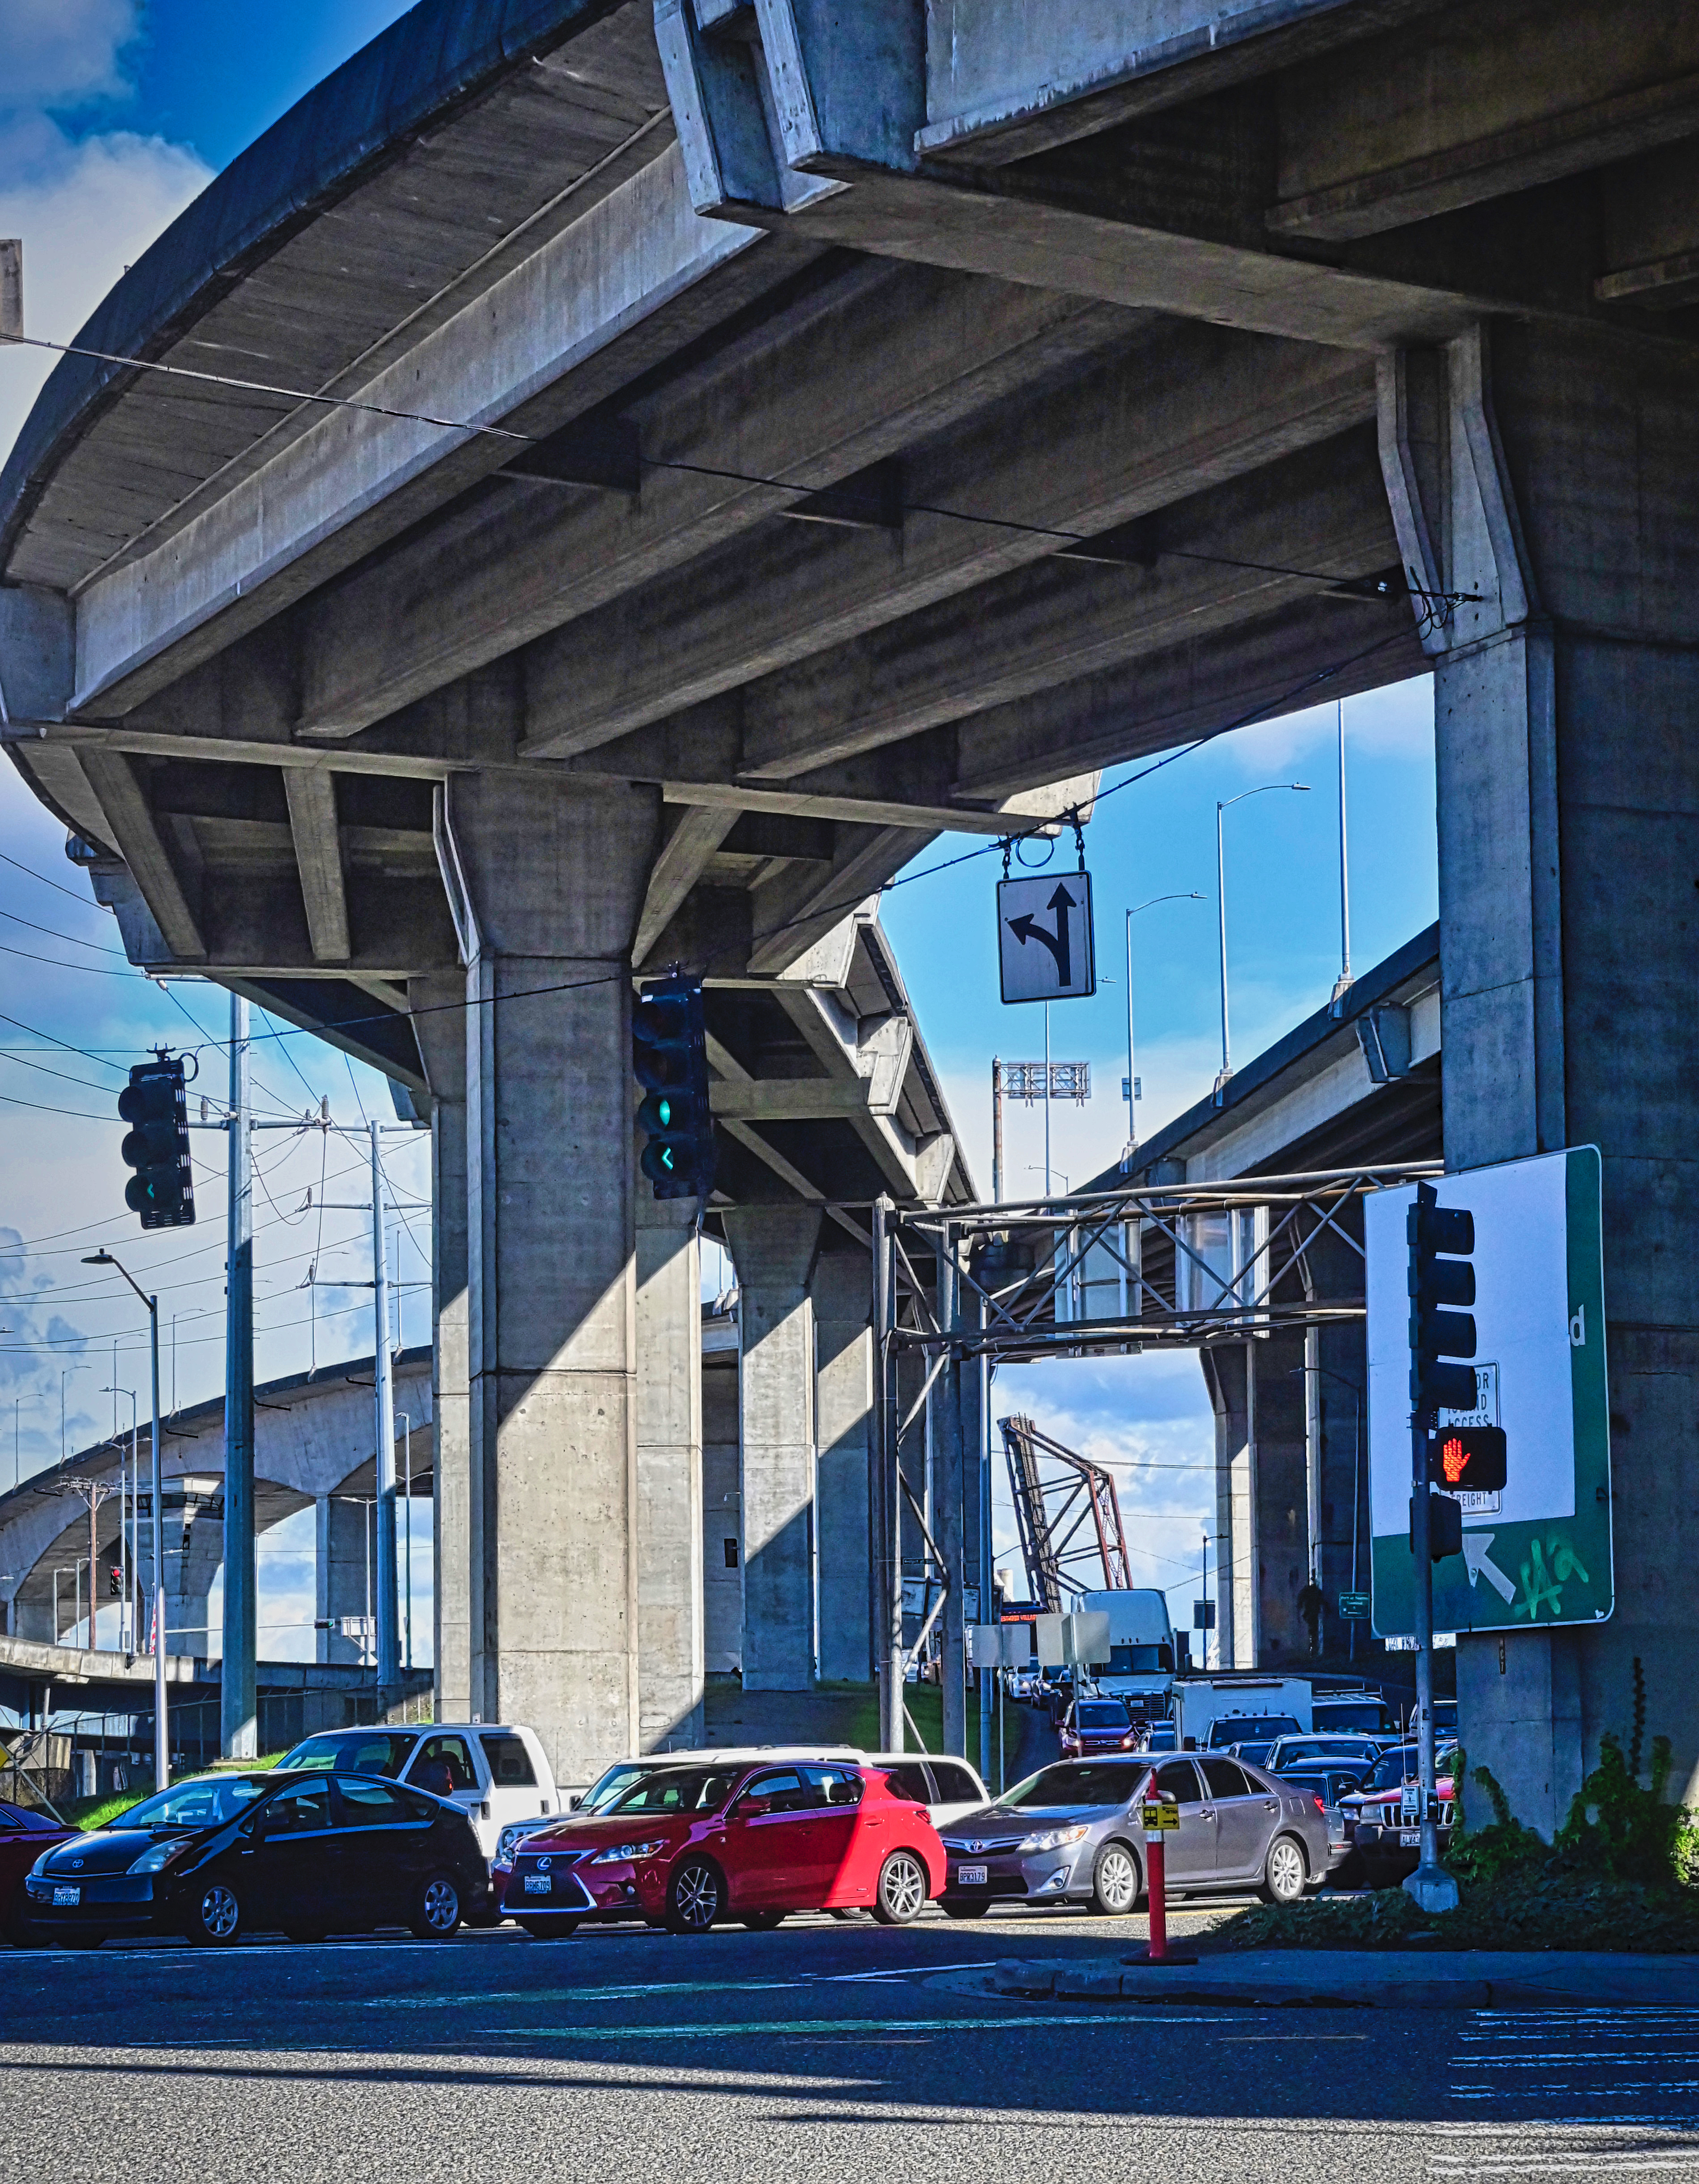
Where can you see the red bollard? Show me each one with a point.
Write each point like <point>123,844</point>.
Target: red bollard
<point>1156,1878</point>
<point>1156,1888</point>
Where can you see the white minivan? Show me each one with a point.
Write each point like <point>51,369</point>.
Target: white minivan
<point>497,1772</point>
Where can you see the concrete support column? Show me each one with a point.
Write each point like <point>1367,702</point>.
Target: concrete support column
<point>1281,1521</point>
<point>554,879</point>
<point>773,1248</point>
<point>342,1573</point>
<point>669,1457</point>
<point>1231,1381</point>
<point>1554,477</point>
<point>439,1022</point>
<point>722,1523</point>
<point>841,1294</point>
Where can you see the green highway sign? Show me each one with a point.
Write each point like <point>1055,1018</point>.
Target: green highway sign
<point>1538,1550</point>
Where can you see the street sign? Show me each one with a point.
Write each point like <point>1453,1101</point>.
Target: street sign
<point>1203,1615</point>
<point>1161,1816</point>
<point>1354,1606</point>
<point>1537,1549</point>
<point>1045,943</point>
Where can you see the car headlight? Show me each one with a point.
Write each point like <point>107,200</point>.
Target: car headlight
<point>158,1856</point>
<point>626,1854</point>
<point>1051,1839</point>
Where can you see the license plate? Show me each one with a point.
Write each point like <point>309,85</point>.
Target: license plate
<point>538,1884</point>
<point>971,1876</point>
<point>1410,1839</point>
<point>67,1895</point>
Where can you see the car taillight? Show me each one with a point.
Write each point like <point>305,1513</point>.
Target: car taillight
<point>1320,1807</point>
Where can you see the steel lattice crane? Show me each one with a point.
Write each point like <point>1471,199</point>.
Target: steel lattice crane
<point>1069,1514</point>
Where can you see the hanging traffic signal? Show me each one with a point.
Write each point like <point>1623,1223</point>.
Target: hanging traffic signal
<point>1441,1238</point>
<point>115,1582</point>
<point>1467,1459</point>
<point>162,1190</point>
<point>670,1061</point>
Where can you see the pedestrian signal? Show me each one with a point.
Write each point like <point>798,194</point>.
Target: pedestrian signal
<point>1467,1459</point>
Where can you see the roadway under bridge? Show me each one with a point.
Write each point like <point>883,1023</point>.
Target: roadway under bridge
<point>749,440</point>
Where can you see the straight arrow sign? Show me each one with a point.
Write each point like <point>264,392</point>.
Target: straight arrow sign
<point>1044,939</point>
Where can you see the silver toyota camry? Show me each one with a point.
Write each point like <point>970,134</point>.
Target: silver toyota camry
<point>1073,1834</point>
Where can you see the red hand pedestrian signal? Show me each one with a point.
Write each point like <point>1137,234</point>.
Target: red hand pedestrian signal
<point>1468,1459</point>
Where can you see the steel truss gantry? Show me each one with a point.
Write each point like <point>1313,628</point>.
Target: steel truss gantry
<point>960,1289</point>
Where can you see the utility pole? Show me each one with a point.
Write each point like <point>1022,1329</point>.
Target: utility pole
<point>1342,985</point>
<point>388,1646</point>
<point>238,1736</point>
<point>996,1131</point>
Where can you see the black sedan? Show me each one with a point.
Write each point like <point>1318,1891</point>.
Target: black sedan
<point>228,1854</point>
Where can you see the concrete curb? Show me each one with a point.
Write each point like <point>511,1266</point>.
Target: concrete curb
<point>1338,1979</point>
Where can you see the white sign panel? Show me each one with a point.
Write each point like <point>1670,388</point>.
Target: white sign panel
<point>1540,1552</point>
<point>1045,944</point>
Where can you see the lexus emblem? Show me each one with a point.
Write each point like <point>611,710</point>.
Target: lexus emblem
<point>542,1864</point>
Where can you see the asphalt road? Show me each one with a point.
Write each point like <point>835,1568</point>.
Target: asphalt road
<point>827,2050</point>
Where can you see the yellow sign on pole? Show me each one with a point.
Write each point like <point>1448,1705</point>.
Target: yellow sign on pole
<point>1162,1816</point>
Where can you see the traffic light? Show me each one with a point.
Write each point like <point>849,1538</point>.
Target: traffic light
<point>162,1190</point>
<point>670,1061</point>
<point>1441,1238</point>
<point>115,1582</point>
<point>1467,1459</point>
<point>1444,1526</point>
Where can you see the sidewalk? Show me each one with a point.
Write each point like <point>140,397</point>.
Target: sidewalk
<point>1380,1979</point>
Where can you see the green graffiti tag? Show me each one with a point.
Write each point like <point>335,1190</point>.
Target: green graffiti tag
<point>1543,1581</point>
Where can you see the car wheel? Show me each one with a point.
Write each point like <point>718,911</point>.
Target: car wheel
<point>965,1910</point>
<point>1115,1881</point>
<point>1286,1872</point>
<point>903,1890</point>
<point>761,1922</point>
<point>695,1897</point>
<point>436,1908</point>
<point>549,1930</point>
<point>215,1917</point>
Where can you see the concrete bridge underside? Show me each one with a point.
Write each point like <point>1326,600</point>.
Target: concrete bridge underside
<point>919,408</point>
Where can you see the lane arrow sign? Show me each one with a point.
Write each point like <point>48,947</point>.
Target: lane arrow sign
<point>1059,943</point>
<point>1481,1563</point>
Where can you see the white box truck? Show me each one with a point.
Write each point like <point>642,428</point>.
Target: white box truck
<point>1211,1711</point>
<point>1141,1662</point>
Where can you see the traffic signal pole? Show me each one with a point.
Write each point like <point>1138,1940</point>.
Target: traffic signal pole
<point>237,1706</point>
<point>388,1634</point>
<point>1429,1872</point>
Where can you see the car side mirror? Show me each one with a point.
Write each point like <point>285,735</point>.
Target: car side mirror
<point>572,1804</point>
<point>753,1808</point>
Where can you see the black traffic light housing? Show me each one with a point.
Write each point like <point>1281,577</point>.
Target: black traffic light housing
<point>115,1582</point>
<point>670,1062</point>
<point>162,1190</point>
<point>1467,1459</point>
<point>1444,1526</point>
<point>1440,1239</point>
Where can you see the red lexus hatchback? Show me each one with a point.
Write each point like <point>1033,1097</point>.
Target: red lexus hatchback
<point>690,1846</point>
<point>24,1835</point>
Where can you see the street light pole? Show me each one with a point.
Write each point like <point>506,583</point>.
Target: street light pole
<point>238,1708</point>
<point>162,1740</point>
<point>1302,788</point>
<point>1343,984</point>
<point>388,1648</point>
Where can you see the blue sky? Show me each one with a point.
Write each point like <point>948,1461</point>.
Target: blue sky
<point>112,116</point>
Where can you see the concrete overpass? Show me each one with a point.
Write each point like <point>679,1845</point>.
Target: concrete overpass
<point>776,433</point>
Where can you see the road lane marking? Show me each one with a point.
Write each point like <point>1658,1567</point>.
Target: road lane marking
<point>638,1990</point>
<point>839,2027</point>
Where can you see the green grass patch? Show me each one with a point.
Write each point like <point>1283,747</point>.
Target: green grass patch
<point>925,1704</point>
<point>89,1813</point>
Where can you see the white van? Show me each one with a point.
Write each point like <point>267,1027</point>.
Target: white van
<point>496,1772</point>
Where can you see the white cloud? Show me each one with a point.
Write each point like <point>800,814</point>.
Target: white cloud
<point>59,52</point>
<point>84,210</point>
<point>1397,722</point>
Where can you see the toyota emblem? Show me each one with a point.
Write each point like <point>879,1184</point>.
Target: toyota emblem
<point>542,1864</point>
<point>77,1864</point>
<point>976,1845</point>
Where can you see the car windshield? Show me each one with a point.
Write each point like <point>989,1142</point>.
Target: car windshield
<point>1369,1718</point>
<point>375,1752</point>
<point>675,1790</point>
<point>206,1802</point>
<point>1075,1782</point>
<point>1396,1768</point>
<point>1102,1716</point>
